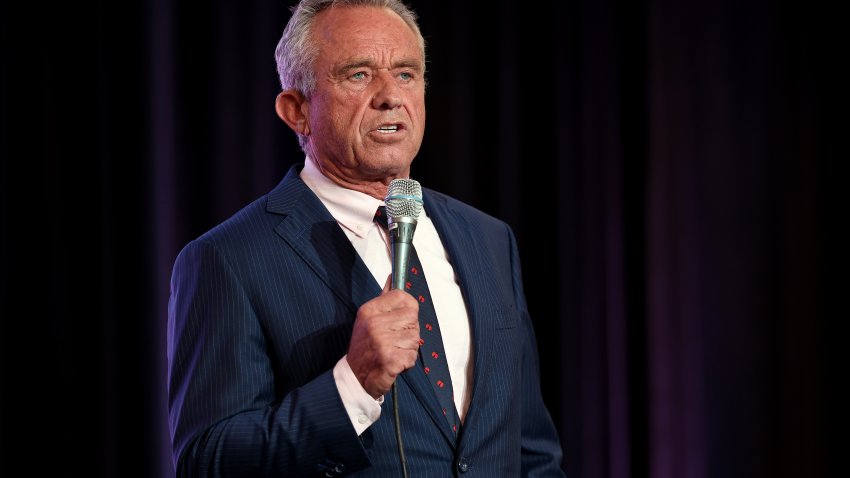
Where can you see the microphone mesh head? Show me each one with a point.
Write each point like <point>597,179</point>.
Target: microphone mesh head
<point>404,198</point>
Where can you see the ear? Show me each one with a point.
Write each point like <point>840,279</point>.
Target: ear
<point>292,108</point>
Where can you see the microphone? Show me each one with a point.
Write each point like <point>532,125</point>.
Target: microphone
<point>403,205</point>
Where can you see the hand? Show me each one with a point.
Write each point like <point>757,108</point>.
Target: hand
<point>385,340</point>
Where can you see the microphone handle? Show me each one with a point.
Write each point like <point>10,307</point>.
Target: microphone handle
<point>401,256</point>
<point>401,231</point>
<point>401,234</point>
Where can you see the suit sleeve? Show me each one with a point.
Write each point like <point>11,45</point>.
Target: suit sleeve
<point>541,448</point>
<point>225,412</point>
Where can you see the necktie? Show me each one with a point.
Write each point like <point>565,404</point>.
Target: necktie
<point>431,351</point>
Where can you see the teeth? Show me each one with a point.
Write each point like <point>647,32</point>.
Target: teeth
<point>388,129</point>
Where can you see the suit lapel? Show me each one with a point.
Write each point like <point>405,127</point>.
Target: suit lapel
<point>316,237</point>
<point>475,277</point>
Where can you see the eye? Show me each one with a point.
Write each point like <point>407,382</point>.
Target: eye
<point>359,76</point>
<point>405,76</point>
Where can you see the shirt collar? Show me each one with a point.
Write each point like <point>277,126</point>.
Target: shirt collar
<point>353,210</point>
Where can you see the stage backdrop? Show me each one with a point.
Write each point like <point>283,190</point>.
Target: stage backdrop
<point>663,164</point>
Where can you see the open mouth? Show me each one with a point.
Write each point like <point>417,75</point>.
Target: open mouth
<point>389,128</point>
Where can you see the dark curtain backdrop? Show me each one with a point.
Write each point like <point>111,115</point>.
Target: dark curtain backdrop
<point>666,166</point>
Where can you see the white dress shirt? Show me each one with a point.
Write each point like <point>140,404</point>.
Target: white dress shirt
<point>354,212</point>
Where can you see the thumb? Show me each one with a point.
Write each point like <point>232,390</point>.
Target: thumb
<point>388,284</point>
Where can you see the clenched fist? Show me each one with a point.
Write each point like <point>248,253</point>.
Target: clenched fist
<point>385,340</point>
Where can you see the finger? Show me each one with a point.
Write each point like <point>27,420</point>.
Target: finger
<point>410,344</point>
<point>394,300</point>
<point>409,326</point>
<point>388,284</point>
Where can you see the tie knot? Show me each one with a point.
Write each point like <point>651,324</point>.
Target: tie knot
<point>381,217</point>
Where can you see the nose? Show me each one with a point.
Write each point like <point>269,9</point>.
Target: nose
<point>388,94</point>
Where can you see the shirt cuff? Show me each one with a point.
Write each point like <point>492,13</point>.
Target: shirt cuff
<point>363,410</point>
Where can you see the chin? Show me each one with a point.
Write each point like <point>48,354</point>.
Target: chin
<point>394,164</point>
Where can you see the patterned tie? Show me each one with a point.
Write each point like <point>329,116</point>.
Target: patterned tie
<point>431,352</point>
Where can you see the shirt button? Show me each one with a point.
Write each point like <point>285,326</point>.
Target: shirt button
<point>463,465</point>
<point>362,419</point>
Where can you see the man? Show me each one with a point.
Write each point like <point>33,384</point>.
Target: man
<point>283,345</point>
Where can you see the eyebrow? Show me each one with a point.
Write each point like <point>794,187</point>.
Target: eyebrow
<point>411,63</point>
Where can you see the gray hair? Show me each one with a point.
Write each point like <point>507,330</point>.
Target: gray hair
<point>296,52</point>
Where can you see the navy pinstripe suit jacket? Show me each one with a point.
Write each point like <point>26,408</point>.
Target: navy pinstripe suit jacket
<point>262,308</point>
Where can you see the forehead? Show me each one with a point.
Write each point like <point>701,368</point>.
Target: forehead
<point>345,32</point>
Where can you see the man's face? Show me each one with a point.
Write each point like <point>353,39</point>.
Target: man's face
<point>367,113</point>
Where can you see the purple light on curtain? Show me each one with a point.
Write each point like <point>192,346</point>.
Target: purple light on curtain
<point>164,220</point>
<point>675,312</point>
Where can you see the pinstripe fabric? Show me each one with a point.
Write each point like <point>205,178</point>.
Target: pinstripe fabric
<point>261,309</point>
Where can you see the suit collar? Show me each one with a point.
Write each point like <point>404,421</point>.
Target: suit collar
<point>314,234</point>
<point>476,277</point>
